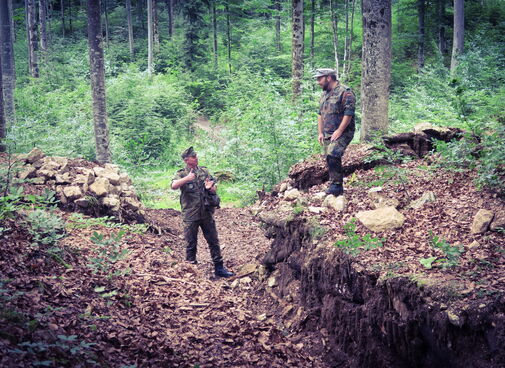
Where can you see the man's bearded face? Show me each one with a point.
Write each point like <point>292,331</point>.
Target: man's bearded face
<point>324,82</point>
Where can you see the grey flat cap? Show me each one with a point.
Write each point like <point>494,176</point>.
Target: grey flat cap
<point>324,72</point>
<point>188,152</point>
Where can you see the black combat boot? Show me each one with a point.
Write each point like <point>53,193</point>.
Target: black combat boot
<point>221,271</point>
<point>335,189</point>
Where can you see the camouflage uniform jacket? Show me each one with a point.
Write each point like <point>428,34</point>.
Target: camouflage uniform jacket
<point>192,194</point>
<point>333,105</point>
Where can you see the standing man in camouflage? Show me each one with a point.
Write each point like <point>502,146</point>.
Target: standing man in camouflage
<point>335,124</point>
<point>194,181</point>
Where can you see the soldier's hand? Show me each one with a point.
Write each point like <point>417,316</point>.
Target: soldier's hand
<point>320,138</point>
<point>208,184</point>
<point>191,176</point>
<point>336,135</point>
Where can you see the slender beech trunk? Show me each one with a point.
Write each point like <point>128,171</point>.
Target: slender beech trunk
<point>149,37</point>
<point>70,17</point>
<point>97,73</point>
<point>421,10</point>
<point>7,60</point>
<point>130,26</point>
<point>334,26</point>
<point>106,14</point>
<point>156,33</point>
<point>376,67</point>
<point>278,9</point>
<point>140,12</point>
<point>228,35</point>
<point>62,12</point>
<point>441,40</point>
<point>43,25</point>
<point>459,33</point>
<point>170,11</point>
<point>3,121</point>
<point>346,41</point>
<point>214,33</point>
<point>297,46</point>
<point>351,37</point>
<point>312,21</point>
<point>31,22</point>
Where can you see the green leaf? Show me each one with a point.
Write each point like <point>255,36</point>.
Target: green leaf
<point>427,262</point>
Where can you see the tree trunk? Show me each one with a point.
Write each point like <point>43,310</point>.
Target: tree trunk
<point>459,33</point>
<point>140,12</point>
<point>156,32</point>
<point>62,9</point>
<point>7,60</point>
<point>334,26</point>
<point>149,37</point>
<point>441,41</point>
<point>43,25</point>
<point>297,47</point>
<point>3,123</point>
<point>228,35</point>
<point>278,9</point>
<point>347,70</point>
<point>421,10</point>
<point>31,23</point>
<point>70,17</point>
<point>312,21</point>
<point>97,73</point>
<point>376,67</point>
<point>130,26</point>
<point>170,11</point>
<point>106,14</point>
<point>214,32</point>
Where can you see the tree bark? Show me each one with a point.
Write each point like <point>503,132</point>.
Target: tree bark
<point>228,35</point>
<point>130,26</point>
<point>7,60</point>
<point>106,15</point>
<point>214,33</point>
<point>31,23</point>
<point>170,11</point>
<point>334,27</point>
<point>3,123</point>
<point>297,47</point>
<point>62,12</point>
<point>97,73</point>
<point>441,40</point>
<point>278,8</point>
<point>421,10</point>
<point>459,33</point>
<point>376,67</point>
<point>149,37</point>
<point>140,12</point>
<point>43,25</point>
<point>312,21</point>
<point>347,70</point>
<point>156,32</point>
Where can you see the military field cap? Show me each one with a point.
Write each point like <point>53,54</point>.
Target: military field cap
<point>324,72</point>
<point>188,152</point>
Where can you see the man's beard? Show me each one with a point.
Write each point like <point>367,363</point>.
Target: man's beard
<point>326,86</point>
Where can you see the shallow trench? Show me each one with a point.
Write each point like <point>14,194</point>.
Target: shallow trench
<point>374,323</point>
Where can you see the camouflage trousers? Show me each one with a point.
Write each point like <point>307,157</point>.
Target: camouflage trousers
<point>334,152</point>
<point>209,230</point>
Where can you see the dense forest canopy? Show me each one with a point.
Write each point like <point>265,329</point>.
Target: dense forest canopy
<point>169,64</point>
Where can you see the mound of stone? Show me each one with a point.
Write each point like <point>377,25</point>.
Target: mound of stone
<point>83,186</point>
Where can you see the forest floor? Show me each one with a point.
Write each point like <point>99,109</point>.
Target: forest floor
<point>151,309</point>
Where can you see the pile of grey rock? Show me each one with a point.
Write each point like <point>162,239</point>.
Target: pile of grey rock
<point>97,190</point>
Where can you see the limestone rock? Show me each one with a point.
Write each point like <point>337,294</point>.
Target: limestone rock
<point>72,192</point>
<point>498,222</point>
<point>57,164</point>
<point>381,219</point>
<point>63,178</point>
<point>319,197</point>
<point>114,189</point>
<point>86,178</point>
<point>272,281</point>
<point>335,203</point>
<point>82,202</point>
<point>481,221</point>
<point>473,245</point>
<point>100,187</point>
<point>132,203</point>
<point>112,202</point>
<point>112,168</point>
<point>380,201</point>
<point>316,210</point>
<point>425,198</point>
<point>98,170</point>
<point>27,172</point>
<point>283,187</point>
<point>292,194</point>
<point>454,318</point>
<point>39,180</point>
<point>247,269</point>
<point>374,190</point>
<point>124,179</point>
<point>38,164</point>
<point>111,176</point>
<point>35,155</point>
<point>421,127</point>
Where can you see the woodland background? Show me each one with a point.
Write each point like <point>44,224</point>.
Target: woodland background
<point>233,65</point>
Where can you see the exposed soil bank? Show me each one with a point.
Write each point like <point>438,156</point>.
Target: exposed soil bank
<point>381,323</point>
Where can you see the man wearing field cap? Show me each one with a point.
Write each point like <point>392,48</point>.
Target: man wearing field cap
<point>335,123</point>
<point>194,181</point>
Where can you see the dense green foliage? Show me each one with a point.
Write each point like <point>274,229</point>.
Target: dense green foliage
<point>261,131</point>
